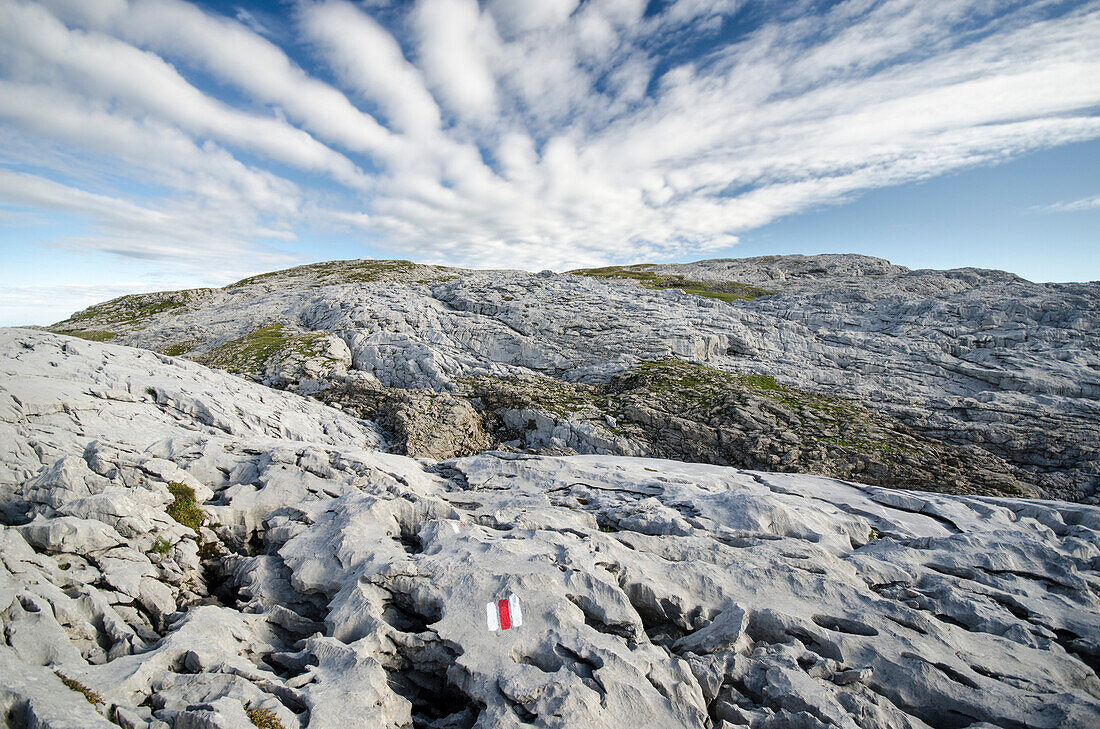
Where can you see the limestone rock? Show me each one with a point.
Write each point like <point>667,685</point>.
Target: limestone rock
<point>71,534</point>
<point>981,361</point>
<point>338,584</point>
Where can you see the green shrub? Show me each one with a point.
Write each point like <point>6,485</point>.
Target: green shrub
<point>184,509</point>
<point>762,382</point>
<point>263,718</point>
<point>161,547</point>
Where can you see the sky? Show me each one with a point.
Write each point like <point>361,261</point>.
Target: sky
<point>161,144</point>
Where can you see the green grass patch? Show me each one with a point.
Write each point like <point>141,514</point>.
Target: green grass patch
<point>563,399</point>
<point>92,335</point>
<point>251,353</point>
<point>330,273</point>
<point>720,295</point>
<point>148,310</point>
<point>722,290</point>
<point>714,391</point>
<point>263,718</point>
<point>687,382</point>
<point>864,445</point>
<point>248,354</point>
<point>178,349</point>
<point>161,546</point>
<point>617,272</point>
<point>92,697</point>
<point>184,508</point>
<point>762,382</point>
<point>698,393</point>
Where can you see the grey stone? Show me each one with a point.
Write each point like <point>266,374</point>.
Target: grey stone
<point>71,534</point>
<point>353,584</point>
<point>982,362</point>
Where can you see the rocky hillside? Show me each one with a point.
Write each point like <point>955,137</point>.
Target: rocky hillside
<point>182,548</point>
<point>966,381</point>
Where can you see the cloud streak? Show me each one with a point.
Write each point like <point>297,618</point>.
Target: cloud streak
<point>492,135</point>
<point>1072,206</point>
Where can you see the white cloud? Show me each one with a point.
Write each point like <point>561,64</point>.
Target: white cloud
<point>92,62</point>
<point>168,157</point>
<point>135,231</point>
<point>254,24</point>
<point>368,59</point>
<point>31,190</point>
<point>455,44</point>
<point>1072,206</point>
<point>258,67</point>
<point>514,17</point>
<point>552,134</point>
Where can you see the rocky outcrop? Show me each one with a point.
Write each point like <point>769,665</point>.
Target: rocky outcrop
<point>422,423</point>
<point>670,409</point>
<point>978,360</point>
<point>180,548</point>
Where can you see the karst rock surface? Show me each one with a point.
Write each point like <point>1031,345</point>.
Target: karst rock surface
<point>1004,371</point>
<point>189,549</point>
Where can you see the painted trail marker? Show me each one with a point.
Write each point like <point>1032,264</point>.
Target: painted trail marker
<point>504,614</point>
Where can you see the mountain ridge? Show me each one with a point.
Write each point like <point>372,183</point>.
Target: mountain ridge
<point>981,361</point>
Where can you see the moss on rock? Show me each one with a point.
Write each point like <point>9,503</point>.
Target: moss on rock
<point>248,354</point>
<point>331,273</point>
<point>92,335</point>
<point>74,685</point>
<point>723,290</point>
<point>692,412</point>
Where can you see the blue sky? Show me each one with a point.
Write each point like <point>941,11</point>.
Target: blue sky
<point>155,144</point>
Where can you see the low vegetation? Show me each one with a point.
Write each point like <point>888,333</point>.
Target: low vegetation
<point>184,508</point>
<point>824,420</point>
<point>133,310</point>
<point>263,718</point>
<point>251,353</point>
<point>161,547</point>
<point>111,319</point>
<point>209,551</point>
<point>683,391</point>
<point>91,696</point>
<point>178,349</point>
<point>332,273</point>
<point>92,335</point>
<point>186,511</point>
<point>564,399</point>
<point>103,322</point>
<point>723,290</point>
